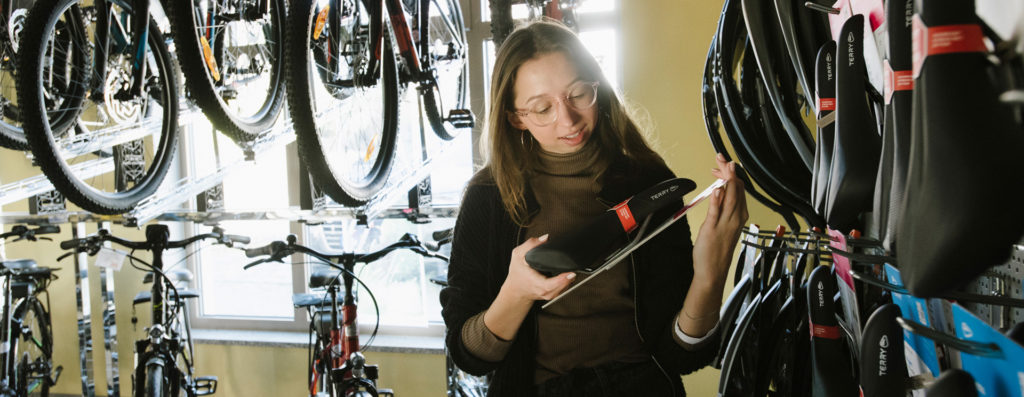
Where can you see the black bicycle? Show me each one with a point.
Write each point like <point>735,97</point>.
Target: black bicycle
<point>337,366</point>
<point>344,84</point>
<point>164,365</point>
<point>27,355</point>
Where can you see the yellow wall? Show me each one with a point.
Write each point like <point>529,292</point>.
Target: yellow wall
<point>663,45</point>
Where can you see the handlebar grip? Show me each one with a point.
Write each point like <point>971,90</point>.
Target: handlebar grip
<point>269,249</point>
<point>73,243</point>
<point>47,229</point>
<point>238,238</point>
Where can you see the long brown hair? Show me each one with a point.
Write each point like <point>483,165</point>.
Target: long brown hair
<point>512,153</point>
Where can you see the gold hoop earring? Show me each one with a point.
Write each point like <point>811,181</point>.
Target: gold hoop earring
<point>523,138</point>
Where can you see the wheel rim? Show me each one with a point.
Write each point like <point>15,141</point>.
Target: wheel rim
<point>110,177</point>
<point>351,130</point>
<point>245,55</point>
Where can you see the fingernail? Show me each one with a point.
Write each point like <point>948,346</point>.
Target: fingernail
<point>721,157</point>
<point>543,238</point>
<point>718,192</point>
<point>570,276</point>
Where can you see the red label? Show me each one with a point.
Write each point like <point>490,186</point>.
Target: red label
<point>625,216</point>
<point>824,331</point>
<point>897,80</point>
<point>825,104</point>
<point>947,39</point>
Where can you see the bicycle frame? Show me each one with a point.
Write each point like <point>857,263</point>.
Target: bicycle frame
<point>343,337</point>
<point>403,36</point>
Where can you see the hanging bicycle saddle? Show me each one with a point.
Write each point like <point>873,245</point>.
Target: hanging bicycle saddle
<point>586,247</point>
<point>961,211</point>
<point>953,383</point>
<point>855,151</point>
<point>898,114</point>
<point>830,357</point>
<point>825,90</point>
<point>883,369</point>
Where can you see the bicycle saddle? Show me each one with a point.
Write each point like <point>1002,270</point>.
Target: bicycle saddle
<point>951,203</point>
<point>883,369</point>
<point>856,148</point>
<point>314,299</point>
<point>18,264</point>
<point>832,373</point>
<point>826,92</point>
<point>584,248</point>
<point>953,383</point>
<point>323,278</point>
<point>146,296</point>
<point>899,98</point>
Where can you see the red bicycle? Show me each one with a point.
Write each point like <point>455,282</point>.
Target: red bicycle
<point>338,367</point>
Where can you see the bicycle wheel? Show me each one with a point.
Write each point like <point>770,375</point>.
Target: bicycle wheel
<point>155,382</point>
<point>32,346</point>
<point>345,116</point>
<point>232,54</point>
<point>65,109</point>
<point>443,49</point>
<point>121,146</point>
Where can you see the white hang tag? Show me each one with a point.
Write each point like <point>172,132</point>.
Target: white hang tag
<point>110,258</point>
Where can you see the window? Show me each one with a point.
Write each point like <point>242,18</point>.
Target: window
<point>260,298</point>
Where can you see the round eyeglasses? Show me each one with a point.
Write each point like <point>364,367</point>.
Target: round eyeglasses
<point>543,112</point>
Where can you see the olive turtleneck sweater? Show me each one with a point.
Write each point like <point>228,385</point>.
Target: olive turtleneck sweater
<point>595,323</point>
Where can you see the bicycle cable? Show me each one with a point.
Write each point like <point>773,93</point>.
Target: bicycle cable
<point>376,307</point>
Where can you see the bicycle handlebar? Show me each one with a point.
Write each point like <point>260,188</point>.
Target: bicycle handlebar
<point>279,249</point>
<point>25,233</point>
<point>93,241</point>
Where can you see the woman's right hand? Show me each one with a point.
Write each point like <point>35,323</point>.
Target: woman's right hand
<point>526,284</point>
<point>522,287</point>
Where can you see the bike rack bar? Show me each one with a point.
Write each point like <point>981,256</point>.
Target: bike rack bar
<point>39,184</point>
<point>108,137</point>
<point>109,325</point>
<point>187,187</point>
<point>84,311</point>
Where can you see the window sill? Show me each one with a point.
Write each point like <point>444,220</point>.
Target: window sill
<point>382,343</point>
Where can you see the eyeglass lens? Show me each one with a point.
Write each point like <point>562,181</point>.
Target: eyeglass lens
<point>581,96</point>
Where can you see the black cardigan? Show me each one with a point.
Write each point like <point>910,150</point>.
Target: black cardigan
<point>483,240</point>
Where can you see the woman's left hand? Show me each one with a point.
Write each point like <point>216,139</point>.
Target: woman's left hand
<point>717,238</point>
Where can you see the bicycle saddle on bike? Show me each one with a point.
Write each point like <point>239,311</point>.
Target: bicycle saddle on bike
<point>826,92</point>
<point>883,369</point>
<point>832,373</point>
<point>18,264</point>
<point>857,145</point>
<point>584,248</point>
<point>324,278</point>
<point>961,212</point>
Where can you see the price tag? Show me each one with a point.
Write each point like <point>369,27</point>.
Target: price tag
<point>110,258</point>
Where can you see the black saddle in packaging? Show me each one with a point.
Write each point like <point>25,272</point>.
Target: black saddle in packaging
<point>586,247</point>
<point>961,211</point>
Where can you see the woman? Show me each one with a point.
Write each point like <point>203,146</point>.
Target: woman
<point>562,149</point>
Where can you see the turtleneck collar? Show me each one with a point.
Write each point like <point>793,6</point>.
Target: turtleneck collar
<point>581,162</point>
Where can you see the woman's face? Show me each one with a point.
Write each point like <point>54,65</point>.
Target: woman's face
<point>543,85</point>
